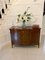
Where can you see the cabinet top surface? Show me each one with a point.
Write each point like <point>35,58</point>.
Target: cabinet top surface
<point>26,27</point>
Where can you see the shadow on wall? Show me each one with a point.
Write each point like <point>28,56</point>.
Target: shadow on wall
<point>44,9</point>
<point>0,15</point>
<point>3,9</point>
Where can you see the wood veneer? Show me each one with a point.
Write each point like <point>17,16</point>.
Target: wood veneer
<point>29,35</point>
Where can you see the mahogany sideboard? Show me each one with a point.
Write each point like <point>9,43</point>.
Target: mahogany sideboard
<point>29,35</point>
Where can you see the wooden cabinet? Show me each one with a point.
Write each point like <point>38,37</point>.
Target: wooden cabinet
<point>29,35</point>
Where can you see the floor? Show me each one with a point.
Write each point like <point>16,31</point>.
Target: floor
<point>18,53</point>
<point>23,53</point>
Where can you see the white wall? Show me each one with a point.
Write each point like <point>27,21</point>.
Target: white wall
<point>4,30</point>
<point>36,8</point>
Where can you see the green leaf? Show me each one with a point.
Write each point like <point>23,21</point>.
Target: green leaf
<point>22,18</point>
<point>24,21</point>
<point>19,15</point>
<point>25,12</point>
<point>28,18</point>
<point>28,15</point>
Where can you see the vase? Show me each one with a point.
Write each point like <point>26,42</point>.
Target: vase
<point>23,25</point>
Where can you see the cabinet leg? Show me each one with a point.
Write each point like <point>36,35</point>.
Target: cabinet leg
<point>38,45</point>
<point>12,45</point>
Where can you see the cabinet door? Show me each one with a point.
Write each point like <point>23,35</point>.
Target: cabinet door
<point>15,37</point>
<point>35,36</point>
<point>25,36</point>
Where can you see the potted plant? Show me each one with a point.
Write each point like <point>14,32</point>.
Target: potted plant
<point>25,17</point>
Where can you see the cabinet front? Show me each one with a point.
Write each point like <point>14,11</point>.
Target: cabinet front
<point>35,36</point>
<point>25,36</point>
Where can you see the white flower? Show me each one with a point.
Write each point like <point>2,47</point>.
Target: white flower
<point>25,17</point>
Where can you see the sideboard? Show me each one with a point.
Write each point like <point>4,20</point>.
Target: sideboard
<point>30,35</point>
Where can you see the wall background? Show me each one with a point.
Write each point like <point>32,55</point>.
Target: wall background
<point>36,8</point>
<point>19,6</point>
